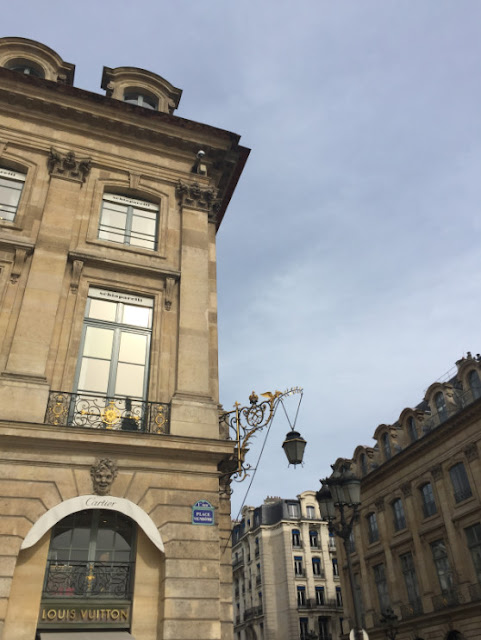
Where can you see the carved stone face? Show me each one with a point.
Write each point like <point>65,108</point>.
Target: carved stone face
<point>102,480</point>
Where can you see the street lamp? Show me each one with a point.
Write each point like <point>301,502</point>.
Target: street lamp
<point>389,620</point>
<point>245,422</point>
<point>340,491</point>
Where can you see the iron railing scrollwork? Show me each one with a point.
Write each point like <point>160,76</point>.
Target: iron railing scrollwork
<point>89,580</point>
<point>93,411</point>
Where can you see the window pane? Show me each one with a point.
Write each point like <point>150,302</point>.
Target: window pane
<point>137,316</point>
<point>98,342</point>
<point>133,348</point>
<point>130,380</point>
<point>102,310</point>
<point>10,192</point>
<point>94,375</point>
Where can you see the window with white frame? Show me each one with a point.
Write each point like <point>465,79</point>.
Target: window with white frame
<point>296,538</point>
<point>316,566</point>
<point>11,186</point>
<point>298,570</point>
<point>314,538</point>
<point>320,596</point>
<point>129,221</point>
<point>335,567</point>
<point>293,509</point>
<point>310,512</point>
<point>301,596</point>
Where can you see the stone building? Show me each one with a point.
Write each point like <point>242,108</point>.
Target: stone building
<point>416,546</point>
<point>285,573</point>
<point>113,514</point>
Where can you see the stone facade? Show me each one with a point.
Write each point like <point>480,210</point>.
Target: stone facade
<point>286,578</point>
<point>108,351</point>
<point>417,541</point>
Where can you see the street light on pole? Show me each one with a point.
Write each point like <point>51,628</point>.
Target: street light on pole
<point>341,491</point>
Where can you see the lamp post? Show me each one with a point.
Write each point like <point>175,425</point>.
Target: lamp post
<point>389,620</point>
<point>340,491</point>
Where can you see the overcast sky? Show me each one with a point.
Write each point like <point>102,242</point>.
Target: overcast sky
<point>349,258</point>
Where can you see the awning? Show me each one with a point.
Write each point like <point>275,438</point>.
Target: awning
<point>86,635</point>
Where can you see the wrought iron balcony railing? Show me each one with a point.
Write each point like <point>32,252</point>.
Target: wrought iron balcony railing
<point>89,580</point>
<point>412,609</point>
<point>101,412</point>
<point>450,598</point>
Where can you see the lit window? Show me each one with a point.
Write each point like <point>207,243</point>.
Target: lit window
<point>398,513</point>
<point>460,482</point>
<point>11,185</point>
<point>386,445</point>
<point>474,384</point>
<point>141,99</point>
<point>473,535</point>
<point>413,434</point>
<point>372,528</point>
<point>427,495</point>
<point>441,406</point>
<point>129,221</point>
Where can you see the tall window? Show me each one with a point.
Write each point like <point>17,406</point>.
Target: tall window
<point>129,221</point>
<point>427,496</point>
<point>323,624</point>
<point>256,548</point>
<point>320,596</point>
<point>460,482</point>
<point>413,433</point>
<point>91,555</point>
<point>314,538</point>
<point>398,513</point>
<point>443,568</point>
<point>441,406</point>
<point>473,535</point>
<point>316,566</point>
<point>298,571</point>
<point>363,464</point>
<point>410,578</point>
<point>386,445</point>
<point>474,384</point>
<point>11,185</point>
<point>115,347</point>
<point>381,586</point>
<point>301,596</point>
<point>303,627</point>
<point>311,512</point>
<point>372,529</point>
<point>293,510</point>
<point>338,596</point>
<point>335,567</point>
<point>296,538</point>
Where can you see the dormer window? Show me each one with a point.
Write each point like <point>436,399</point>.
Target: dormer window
<point>386,445</point>
<point>26,67</point>
<point>441,406</point>
<point>141,99</point>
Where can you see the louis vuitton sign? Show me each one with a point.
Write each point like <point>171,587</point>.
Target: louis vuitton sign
<point>89,615</point>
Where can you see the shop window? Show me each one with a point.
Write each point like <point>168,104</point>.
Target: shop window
<point>460,482</point>
<point>91,555</point>
<point>11,186</point>
<point>398,515</point>
<point>427,496</point>
<point>129,221</point>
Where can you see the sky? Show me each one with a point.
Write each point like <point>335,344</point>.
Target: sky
<point>349,257</point>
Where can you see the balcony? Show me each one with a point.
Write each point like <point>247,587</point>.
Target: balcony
<point>238,562</point>
<point>412,609</point>
<point>253,612</point>
<point>311,603</point>
<point>92,411</point>
<point>450,598</point>
<point>89,580</point>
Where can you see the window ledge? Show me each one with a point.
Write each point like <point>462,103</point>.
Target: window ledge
<point>120,246</point>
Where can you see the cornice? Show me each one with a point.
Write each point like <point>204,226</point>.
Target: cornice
<point>95,260</point>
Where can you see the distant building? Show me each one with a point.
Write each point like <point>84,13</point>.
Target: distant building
<point>114,519</point>
<point>285,573</point>
<point>417,543</point>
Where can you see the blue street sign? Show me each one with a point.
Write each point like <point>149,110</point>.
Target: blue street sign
<point>203,513</point>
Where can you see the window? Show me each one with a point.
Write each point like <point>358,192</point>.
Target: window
<point>460,482</point>
<point>363,464</point>
<point>372,530</point>
<point>129,221</point>
<point>311,512</point>
<point>323,624</point>
<point>386,445</point>
<point>257,551</point>
<point>316,566</point>
<point>296,538</point>
<point>335,567</point>
<point>338,596</point>
<point>11,185</point>
<point>303,627</point>
<point>301,596</point>
<point>91,555</point>
<point>427,496</point>
<point>474,384</point>
<point>320,596</point>
<point>314,539</point>
<point>473,535</point>
<point>115,347</point>
<point>443,568</point>
<point>441,408</point>
<point>298,570</point>
<point>26,67</point>
<point>410,578</point>
<point>413,434</point>
<point>293,510</point>
<point>398,513</point>
<point>141,99</point>
<point>381,586</point>
<point>332,541</point>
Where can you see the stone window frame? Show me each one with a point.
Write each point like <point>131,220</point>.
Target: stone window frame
<point>11,162</point>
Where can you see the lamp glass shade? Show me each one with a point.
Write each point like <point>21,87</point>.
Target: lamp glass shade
<point>352,488</point>
<point>335,485</point>
<point>294,446</point>
<point>326,505</point>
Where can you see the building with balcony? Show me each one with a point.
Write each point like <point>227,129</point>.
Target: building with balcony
<point>114,518</point>
<point>285,573</point>
<point>416,545</point>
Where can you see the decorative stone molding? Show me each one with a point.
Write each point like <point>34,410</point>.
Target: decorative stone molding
<point>437,472</point>
<point>471,451</point>
<point>169,290</point>
<point>3,146</point>
<point>134,180</point>
<point>193,195</point>
<point>18,263</point>
<point>103,473</point>
<point>406,489</point>
<point>66,165</point>
<point>379,504</point>
<point>77,267</point>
